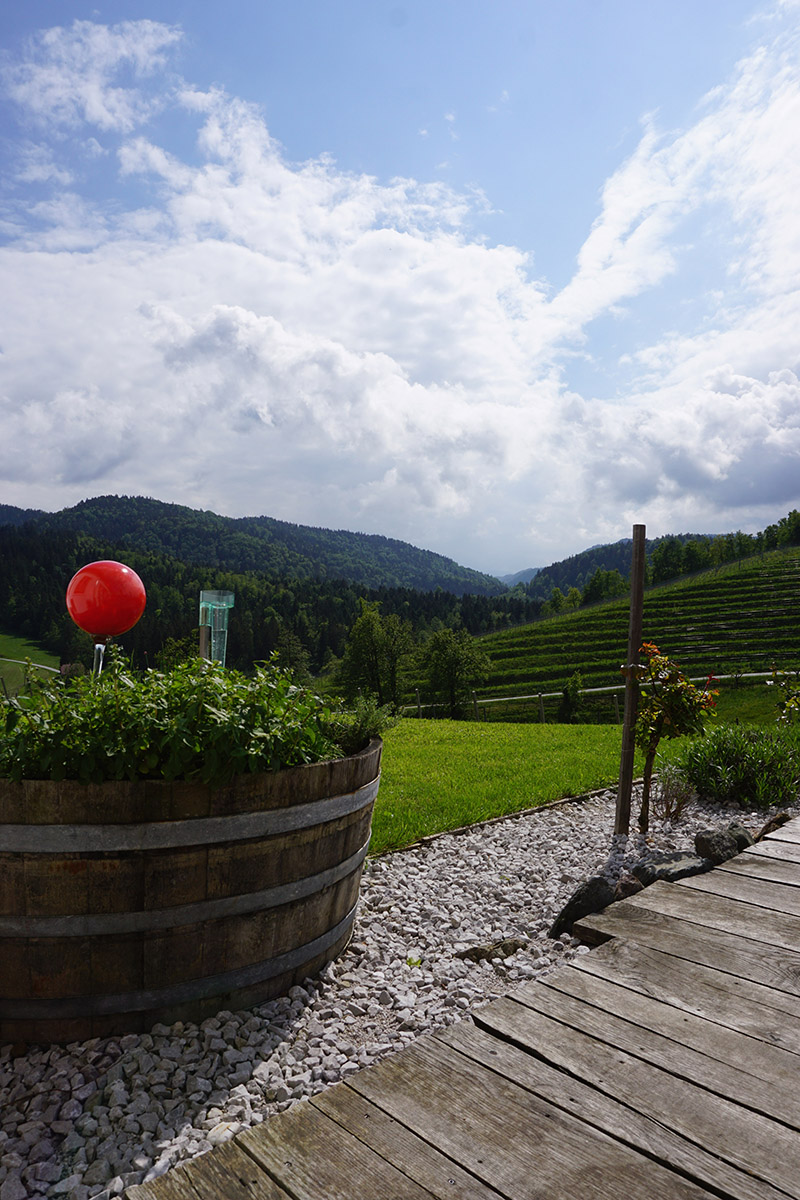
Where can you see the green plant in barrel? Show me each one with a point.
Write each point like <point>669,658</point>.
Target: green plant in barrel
<point>670,707</point>
<point>196,721</point>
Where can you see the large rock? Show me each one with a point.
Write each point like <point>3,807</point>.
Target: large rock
<point>591,896</point>
<point>721,844</point>
<point>716,844</point>
<point>744,837</point>
<point>627,886</point>
<point>670,867</point>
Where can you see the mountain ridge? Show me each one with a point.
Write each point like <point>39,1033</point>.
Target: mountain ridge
<point>261,544</point>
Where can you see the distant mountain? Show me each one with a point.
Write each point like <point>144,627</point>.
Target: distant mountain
<point>262,544</point>
<point>520,577</point>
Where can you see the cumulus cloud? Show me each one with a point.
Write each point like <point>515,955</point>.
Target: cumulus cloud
<point>257,335</point>
<point>71,76</point>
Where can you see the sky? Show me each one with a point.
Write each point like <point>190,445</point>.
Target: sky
<point>499,278</point>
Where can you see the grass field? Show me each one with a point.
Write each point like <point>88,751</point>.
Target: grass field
<point>438,775</point>
<point>751,704</point>
<point>18,648</point>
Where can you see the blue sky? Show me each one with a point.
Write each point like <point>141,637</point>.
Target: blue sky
<point>496,278</point>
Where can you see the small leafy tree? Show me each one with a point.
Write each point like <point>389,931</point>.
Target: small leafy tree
<point>374,654</point>
<point>454,662</point>
<point>569,704</point>
<point>672,707</point>
<point>788,684</point>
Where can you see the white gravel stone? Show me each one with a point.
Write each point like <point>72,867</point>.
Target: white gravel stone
<point>92,1119</point>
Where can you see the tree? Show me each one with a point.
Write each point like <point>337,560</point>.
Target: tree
<point>696,556</point>
<point>374,654</point>
<point>667,559</point>
<point>604,585</point>
<point>674,706</point>
<point>454,662</point>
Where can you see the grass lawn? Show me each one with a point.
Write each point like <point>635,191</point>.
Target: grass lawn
<point>751,704</point>
<point>19,648</point>
<point>438,775</point>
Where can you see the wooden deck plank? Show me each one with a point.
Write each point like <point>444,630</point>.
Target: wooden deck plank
<point>770,869</point>
<point>759,1076</point>
<point>523,1147</point>
<point>746,1140</point>
<point>718,912</point>
<point>399,1146</point>
<point>314,1158</point>
<point>740,886</point>
<point>786,851</point>
<point>607,1113</point>
<point>175,1185</point>
<point>727,952</point>
<point>790,832</point>
<point>751,1008</point>
<point>226,1172</point>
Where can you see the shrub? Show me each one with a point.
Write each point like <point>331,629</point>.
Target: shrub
<point>196,721</point>
<point>672,793</point>
<point>734,764</point>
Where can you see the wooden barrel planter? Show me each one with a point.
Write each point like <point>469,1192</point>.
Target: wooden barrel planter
<point>126,904</point>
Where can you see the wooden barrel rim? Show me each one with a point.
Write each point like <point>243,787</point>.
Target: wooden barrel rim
<point>164,835</point>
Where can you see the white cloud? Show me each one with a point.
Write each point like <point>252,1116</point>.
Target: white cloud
<point>36,165</point>
<point>255,335</point>
<point>67,77</point>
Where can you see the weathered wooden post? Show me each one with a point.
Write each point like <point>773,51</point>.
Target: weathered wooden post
<point>623,813</point>
<point>541,708</point>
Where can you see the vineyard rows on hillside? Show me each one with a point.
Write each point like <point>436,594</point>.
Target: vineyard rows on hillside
<point>737,619</point>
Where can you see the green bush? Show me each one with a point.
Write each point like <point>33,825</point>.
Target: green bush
<point>196,721</point>
<point>748,766</point>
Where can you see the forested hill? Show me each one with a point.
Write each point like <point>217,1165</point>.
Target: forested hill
<point>578,569</point>
<point>274,548</point>
<point>602,571</point>
<point>9,515</point>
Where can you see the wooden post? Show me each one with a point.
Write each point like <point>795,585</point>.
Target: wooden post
<point>475,705</point>
<point>623,813</point>
<point>419,706</point>
<point>541,708</point>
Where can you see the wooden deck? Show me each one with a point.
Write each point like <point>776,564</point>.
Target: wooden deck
<point>662,1066</point>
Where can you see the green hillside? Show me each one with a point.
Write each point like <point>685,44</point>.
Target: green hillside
<point>13,653</point>
<point>261,544</point>
<point>735,619</point>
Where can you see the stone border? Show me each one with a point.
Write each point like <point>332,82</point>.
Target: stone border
<point>521,812</point>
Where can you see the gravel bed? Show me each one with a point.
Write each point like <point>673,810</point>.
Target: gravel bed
<point>91,1119</point>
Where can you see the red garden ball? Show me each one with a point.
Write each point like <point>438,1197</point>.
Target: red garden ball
<point>105,598</point>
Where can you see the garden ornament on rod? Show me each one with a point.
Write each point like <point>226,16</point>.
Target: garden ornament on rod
<point>105,599</point>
